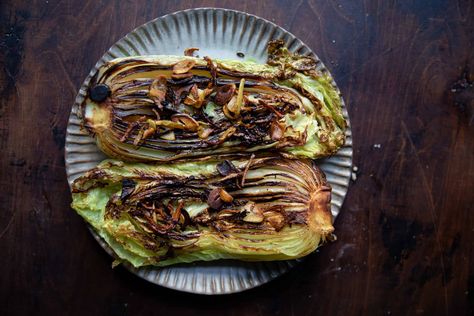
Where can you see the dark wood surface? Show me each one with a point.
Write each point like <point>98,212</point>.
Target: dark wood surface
<point>405,233</point>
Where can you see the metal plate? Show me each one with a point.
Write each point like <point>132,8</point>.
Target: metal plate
<point>218,33</point>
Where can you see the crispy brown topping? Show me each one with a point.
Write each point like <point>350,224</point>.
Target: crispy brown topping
<point>196,96</point>
<point>212,69</point>
<point>214,200</point>
<point>253,213</point>
<point>276,130</point>
<point>232,109</point>
<point>276,220</point>
<point>128,131</point>
<point>228,133</point>
<point>289,63</point>
<point>270,107</point>
<point>177,211</point>
<point>204,131</point>
<point>193,96</point>
<point>189,123</point>
<point>190,51</point>
<point>244,175</point>
<point>170,124</point>
<point>225,196</point>
<point>158,90</point>
<point>150,130</point>
<point>224,94</point>
<point>183,66</point>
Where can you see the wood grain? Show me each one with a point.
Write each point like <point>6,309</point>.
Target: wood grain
<point>405,232</point>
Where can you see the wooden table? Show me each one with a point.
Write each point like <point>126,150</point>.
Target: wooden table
<point>406,230</point>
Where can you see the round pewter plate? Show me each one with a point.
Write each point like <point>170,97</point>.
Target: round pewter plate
<point>218,33</point>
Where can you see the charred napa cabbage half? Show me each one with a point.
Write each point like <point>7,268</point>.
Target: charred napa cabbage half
<point>257,209</point>
<point>165,108</point>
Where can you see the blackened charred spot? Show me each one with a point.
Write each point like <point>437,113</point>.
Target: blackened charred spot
<point>58,137</point>
<point>296,217</point>
<point>99,93</point>
<point>399,236</point>
<point>226,167</point>
<point>128,186</point>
